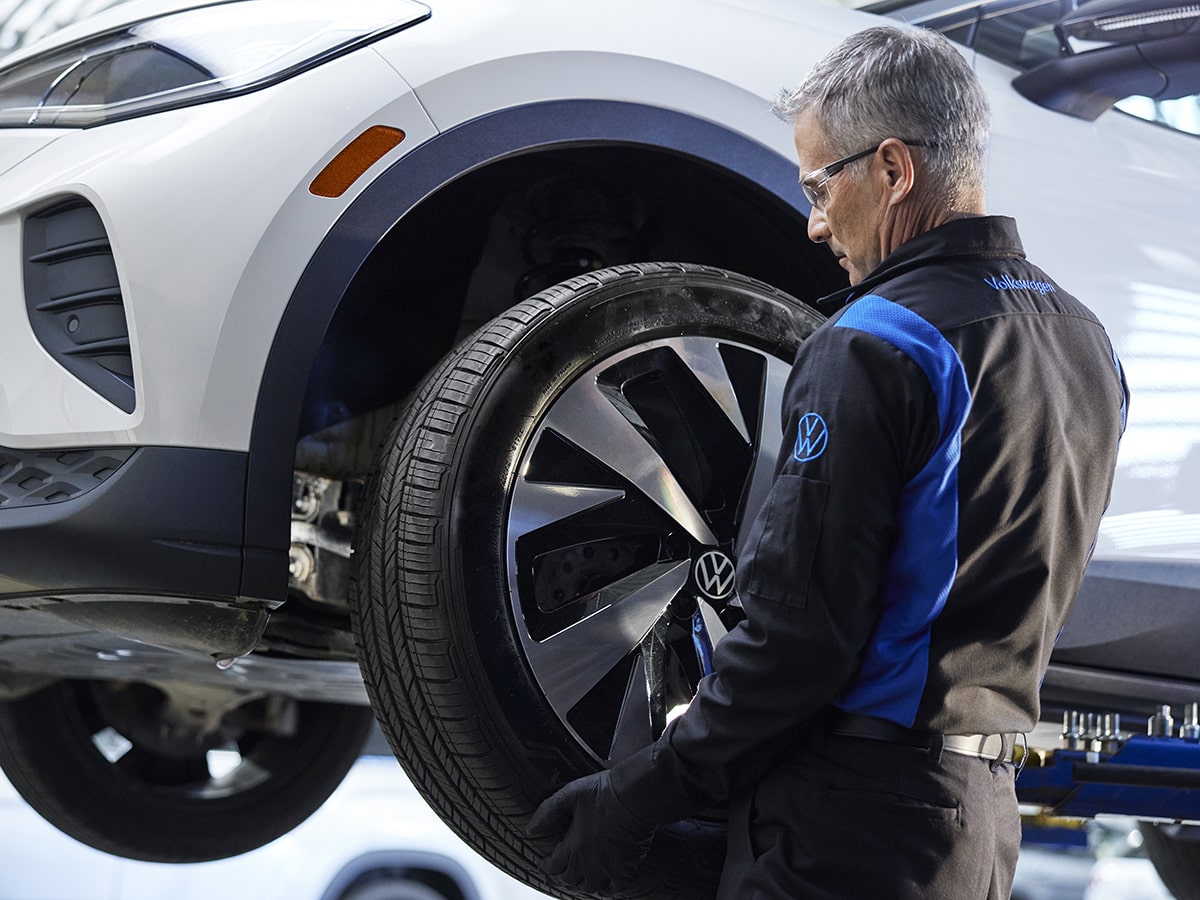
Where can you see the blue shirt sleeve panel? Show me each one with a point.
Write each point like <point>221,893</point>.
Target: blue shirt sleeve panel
<point>924,562</point>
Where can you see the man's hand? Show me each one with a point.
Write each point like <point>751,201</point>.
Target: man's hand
<point>601,844</point>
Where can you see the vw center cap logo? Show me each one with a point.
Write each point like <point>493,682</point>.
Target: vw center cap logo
<point>713,574</point>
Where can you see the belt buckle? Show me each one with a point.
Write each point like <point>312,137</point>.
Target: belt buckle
<point>985,746</point>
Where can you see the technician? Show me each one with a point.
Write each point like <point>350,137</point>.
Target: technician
<point>950,438</point>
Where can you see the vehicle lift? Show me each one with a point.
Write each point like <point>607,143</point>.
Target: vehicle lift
<point>1100,770</point>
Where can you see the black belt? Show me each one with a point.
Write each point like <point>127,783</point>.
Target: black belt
<point>985,746</point>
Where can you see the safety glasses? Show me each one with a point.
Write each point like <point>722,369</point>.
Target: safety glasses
<point>816,184</point>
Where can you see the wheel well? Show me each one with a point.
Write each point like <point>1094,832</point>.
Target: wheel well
<point>442,875</point>
<point>506,230</point>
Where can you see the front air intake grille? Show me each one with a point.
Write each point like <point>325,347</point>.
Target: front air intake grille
<point>74,298</point>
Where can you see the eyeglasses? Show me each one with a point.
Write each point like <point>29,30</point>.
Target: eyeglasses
<point>816,184</point>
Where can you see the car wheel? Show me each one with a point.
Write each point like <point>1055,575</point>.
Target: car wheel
<point>1175,852</point>
<point>546,556</point>
<point>115,766</point>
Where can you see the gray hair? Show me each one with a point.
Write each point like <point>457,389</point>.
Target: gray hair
<point>905,83</point>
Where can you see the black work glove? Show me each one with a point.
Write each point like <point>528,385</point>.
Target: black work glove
<point>601,844</point>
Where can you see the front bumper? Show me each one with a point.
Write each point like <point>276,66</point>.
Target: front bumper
<point>150,522</point>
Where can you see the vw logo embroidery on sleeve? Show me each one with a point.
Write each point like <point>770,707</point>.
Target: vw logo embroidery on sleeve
<point>714,573</point>
<point>811,437</point>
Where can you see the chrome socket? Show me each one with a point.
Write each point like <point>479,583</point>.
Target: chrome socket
<point>1190,729</point>
<point>1161,724</point>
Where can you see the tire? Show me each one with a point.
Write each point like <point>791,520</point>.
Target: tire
<point>98,761</point>
<point>1175,852</point>
<point>523,488</point>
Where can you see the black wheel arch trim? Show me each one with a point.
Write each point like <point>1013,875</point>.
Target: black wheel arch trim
<point>389,198</point>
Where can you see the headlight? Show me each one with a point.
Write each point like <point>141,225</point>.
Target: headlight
<point>191,56</point>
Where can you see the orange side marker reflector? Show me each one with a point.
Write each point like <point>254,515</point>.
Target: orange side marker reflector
<point>354,159</point>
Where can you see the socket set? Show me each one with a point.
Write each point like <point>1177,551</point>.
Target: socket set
<point>1101,732</point>
<point>1102,769</point>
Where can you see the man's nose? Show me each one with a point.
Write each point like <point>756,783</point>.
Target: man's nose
<point>818,228</point>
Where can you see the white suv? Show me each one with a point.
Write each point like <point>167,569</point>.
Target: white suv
<point>239,239</point>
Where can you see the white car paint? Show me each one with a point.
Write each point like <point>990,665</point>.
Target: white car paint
<point>212,223</point>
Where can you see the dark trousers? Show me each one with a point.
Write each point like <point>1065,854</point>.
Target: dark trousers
<point>850,817</point>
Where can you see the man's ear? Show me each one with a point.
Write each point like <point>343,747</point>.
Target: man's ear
<point>898,170</point>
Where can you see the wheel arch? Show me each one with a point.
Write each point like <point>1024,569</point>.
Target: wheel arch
<point>436,870</point>
<point>334,287</point>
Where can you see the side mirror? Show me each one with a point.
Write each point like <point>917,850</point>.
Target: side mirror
<point>1118,49</point>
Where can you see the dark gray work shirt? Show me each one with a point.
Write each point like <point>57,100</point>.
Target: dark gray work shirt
<point>950,437</point>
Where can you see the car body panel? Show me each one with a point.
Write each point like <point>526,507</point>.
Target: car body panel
<point>1072,185</point>
<point>191,273</point>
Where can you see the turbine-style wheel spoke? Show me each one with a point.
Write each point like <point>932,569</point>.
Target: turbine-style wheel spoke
<point>766,447</point>
<point>581,655</point>
<point>593,420</point>
<point>633,721</point>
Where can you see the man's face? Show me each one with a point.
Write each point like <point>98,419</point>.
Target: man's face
<point>850,219</point>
